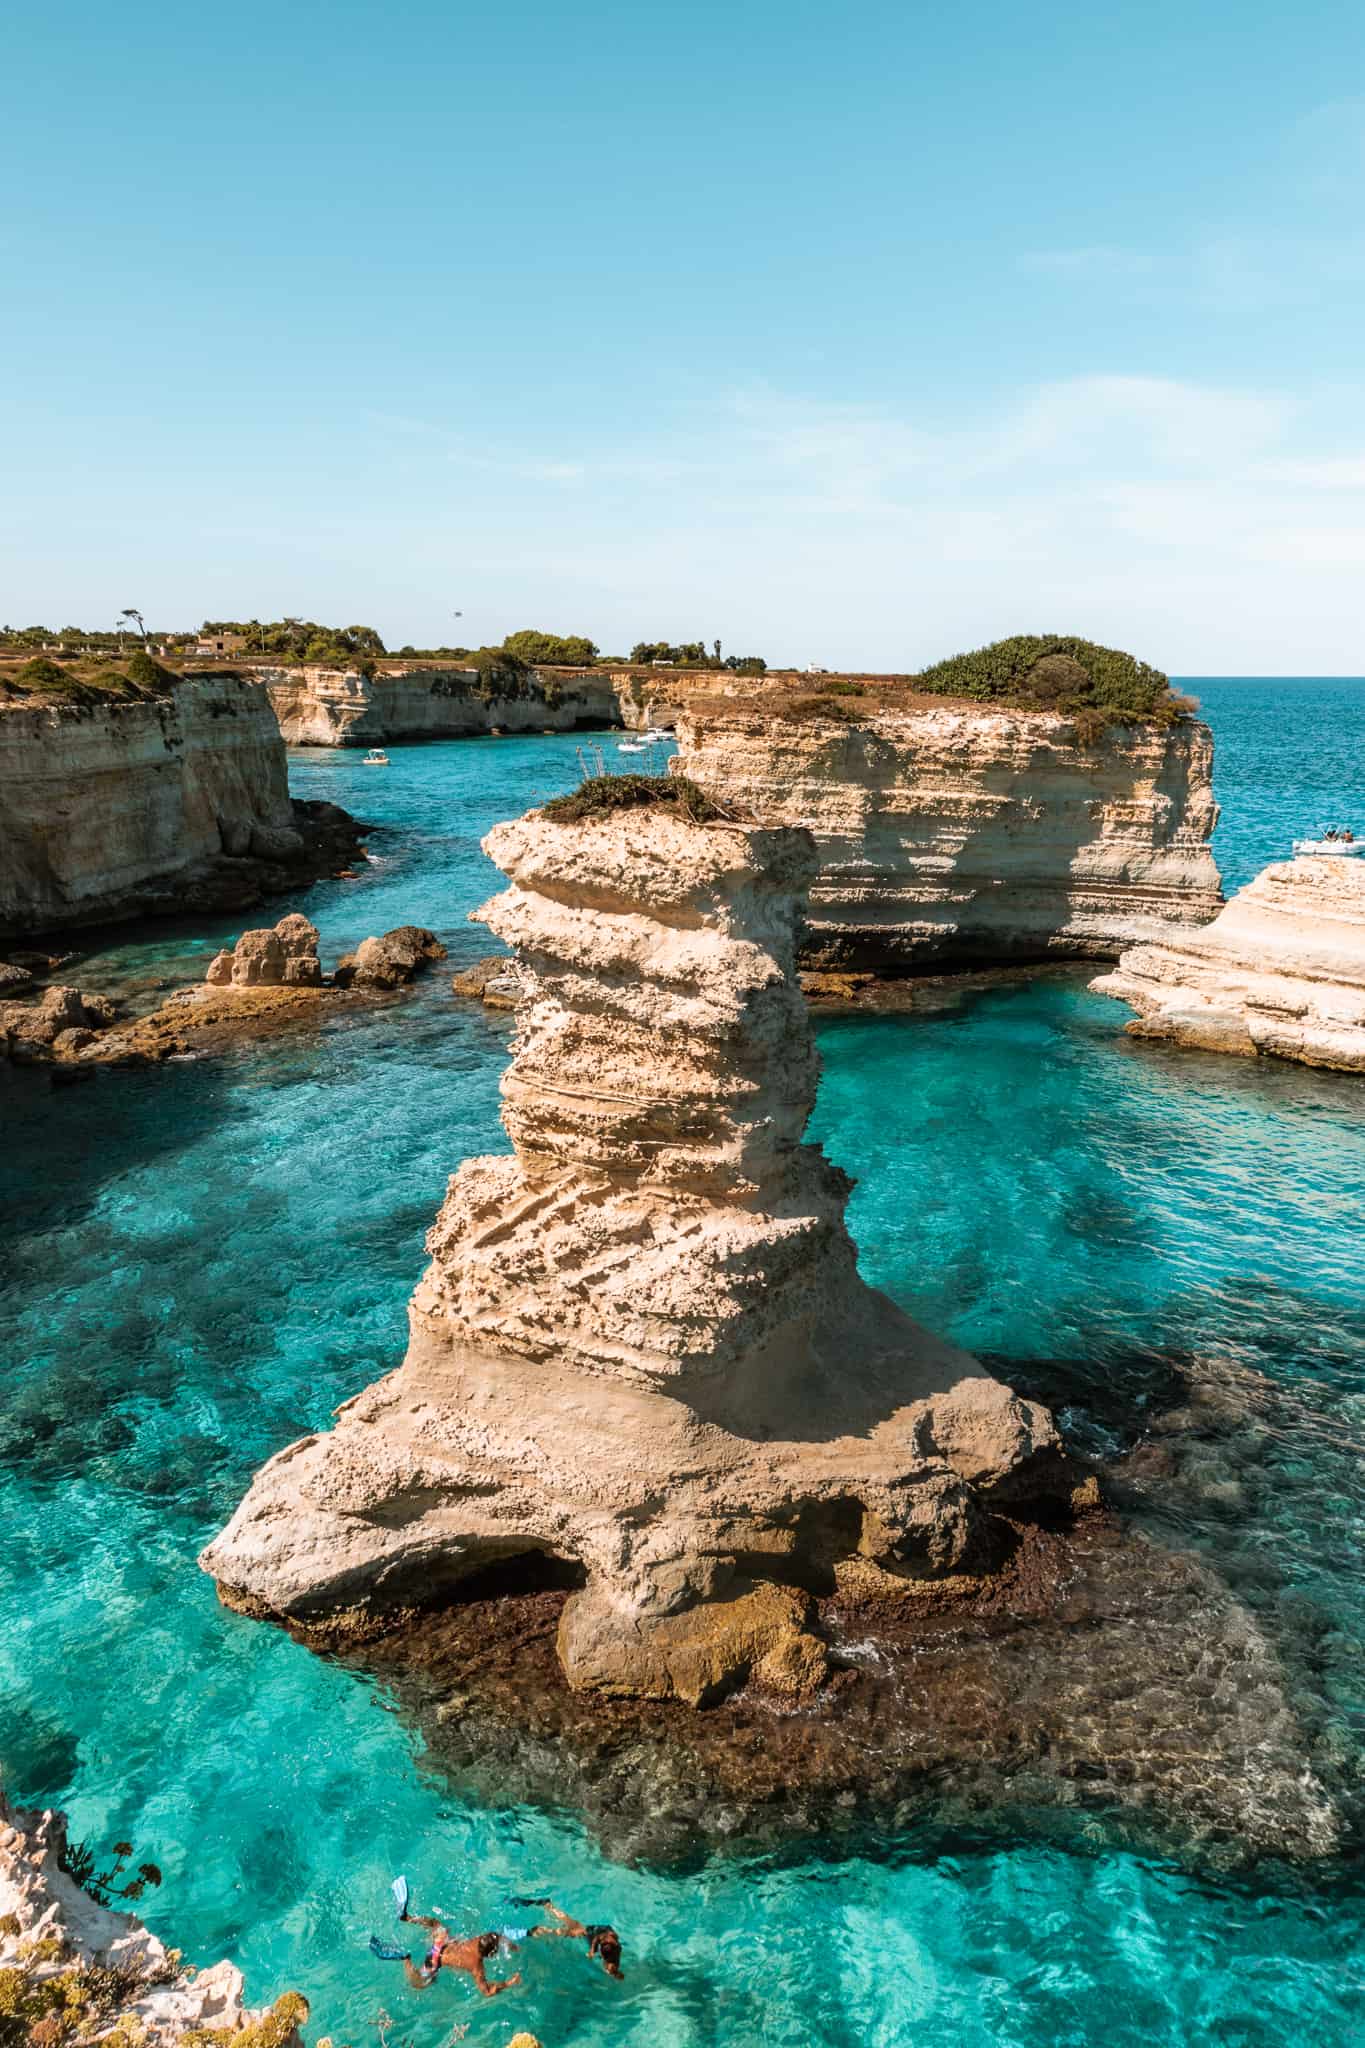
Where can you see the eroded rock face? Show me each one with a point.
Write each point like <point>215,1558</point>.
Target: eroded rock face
<point>962,837</point>
<point>282,956</point>
<point>642,1345</point>
<point>1281,970</point>
<point>103,1971</point>
<point>149,808</point>
<point>322,707</point>
<point>392,959</point>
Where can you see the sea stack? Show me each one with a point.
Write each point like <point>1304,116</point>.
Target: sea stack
<point>642,1345</point>
<point>1281,970</point>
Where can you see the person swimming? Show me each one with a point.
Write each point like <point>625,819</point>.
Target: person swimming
<point>446,1951</point>
<point>604,1943</point>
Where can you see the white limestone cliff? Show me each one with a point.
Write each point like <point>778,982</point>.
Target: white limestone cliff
<point>961,836</point>
<point>72,1968</point>
<point>120,809</point>
<point>1281,970</point>
<point>642,1344</point>
<point>326,707</point>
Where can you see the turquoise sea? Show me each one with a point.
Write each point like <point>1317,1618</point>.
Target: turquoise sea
<point>198,1264</point>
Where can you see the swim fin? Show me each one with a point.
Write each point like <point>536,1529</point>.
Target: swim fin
<point>388,1951</point>
<point>520,1899</point>
<point>400,1896</point>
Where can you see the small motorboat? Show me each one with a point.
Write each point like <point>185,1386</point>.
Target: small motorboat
<point>657,735</point>
<point>376,758</point>
<point>631,747</point>
<point>1330,849</point>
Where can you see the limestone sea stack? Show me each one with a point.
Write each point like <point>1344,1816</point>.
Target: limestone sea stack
<point>1281,970</point>
<point>642,1345</point>
<point>959,836</point>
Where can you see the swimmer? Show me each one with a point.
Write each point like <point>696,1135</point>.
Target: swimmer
<point>604,1942</point>
<point>446,1953</point>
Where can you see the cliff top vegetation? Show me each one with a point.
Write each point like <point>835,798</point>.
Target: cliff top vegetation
<point>601,794</point>
<point>1057,672</point>
<point>44,681</point>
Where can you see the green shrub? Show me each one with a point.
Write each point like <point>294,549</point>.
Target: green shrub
<point>601,794</point>
<point>1057,672</point>
<point>499,673</point>
<point>823,705</point>
<point>570,650</point>
<point>149,675</point>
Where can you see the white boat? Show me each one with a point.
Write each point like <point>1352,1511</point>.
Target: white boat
<point>631,747</point>
<point>376,758</point>
<point>1331,849</point>
<point>657,735</point>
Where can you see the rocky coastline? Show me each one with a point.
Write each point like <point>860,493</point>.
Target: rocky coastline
<point>1280,971</point>
<point>154,807</point>
<point>323,707</point>
<point>642,1348</point>
<point>74,1967</point>
<point>968,836</point>
<point>271,981</point>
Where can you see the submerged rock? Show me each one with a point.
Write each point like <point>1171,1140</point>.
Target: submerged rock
<point>1281,970</point>
<point>642,1345</point>
<point>1096,1676</point>
<point>73,1968</point>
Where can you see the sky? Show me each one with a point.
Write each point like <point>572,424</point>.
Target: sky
<point>850,335</point>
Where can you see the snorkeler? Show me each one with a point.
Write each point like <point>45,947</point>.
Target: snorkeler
<point>445,1952</point>
<point>603,1942</point>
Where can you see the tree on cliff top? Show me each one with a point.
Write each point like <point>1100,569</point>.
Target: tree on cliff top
<point>1058,672</point>
<point>569,650</point>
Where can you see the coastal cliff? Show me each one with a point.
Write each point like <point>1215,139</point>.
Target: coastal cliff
<point>73,1968</point>
<point>1281,970</point>
<point>967,835</point>
<point>128,808</point>
<point>642,1347</point>
<point>325,707</point>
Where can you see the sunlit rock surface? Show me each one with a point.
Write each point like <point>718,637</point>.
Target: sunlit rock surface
<point>327,707</point>
<point>1281,970</point>
<point>966,835</point>
<point>119,810</point>
<point>73,1969</point>
<point>642,1346</point>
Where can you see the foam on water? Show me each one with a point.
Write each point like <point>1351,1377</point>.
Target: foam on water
<point>199,1263</point>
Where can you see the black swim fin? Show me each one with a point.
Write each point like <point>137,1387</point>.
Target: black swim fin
<point>520,1899</point>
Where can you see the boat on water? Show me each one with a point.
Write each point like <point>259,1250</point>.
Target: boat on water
<point>376,758</point>
<point>1333,849</point>
<point>631,747</point>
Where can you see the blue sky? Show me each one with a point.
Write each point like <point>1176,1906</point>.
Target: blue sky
<point>850,335</point>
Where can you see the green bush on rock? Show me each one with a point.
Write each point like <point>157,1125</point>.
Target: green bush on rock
<point>1059,672</point>
<point>602,794</point>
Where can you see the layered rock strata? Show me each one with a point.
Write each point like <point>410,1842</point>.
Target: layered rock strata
<point>1281,970</point>
<point>131,809</point>
<point>642,1346</point>
<point>72,1968</point>
<point>964,836</point>
<point>323,707</point>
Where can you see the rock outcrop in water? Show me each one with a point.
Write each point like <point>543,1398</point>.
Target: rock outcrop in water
<point>960,836</point>
<point>152,807</point>
<point>1281,970</point>
<point>642,1346</point>
<point>74,1969</point>
<point>325,707</point>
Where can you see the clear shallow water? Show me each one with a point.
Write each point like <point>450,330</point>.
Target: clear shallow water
<point>202,1262</point>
